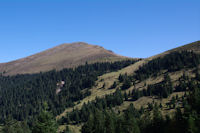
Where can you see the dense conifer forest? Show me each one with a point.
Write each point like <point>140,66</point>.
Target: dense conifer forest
<point>22,96</point>
<point>29,103</point>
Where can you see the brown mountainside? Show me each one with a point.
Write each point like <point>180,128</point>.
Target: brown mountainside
<point>63,56</point>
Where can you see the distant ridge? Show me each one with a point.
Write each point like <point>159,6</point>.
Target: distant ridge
<point>194,46</point>
<point>67,55</point>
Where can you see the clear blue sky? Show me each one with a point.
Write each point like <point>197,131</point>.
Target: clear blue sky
<point>135,28</point>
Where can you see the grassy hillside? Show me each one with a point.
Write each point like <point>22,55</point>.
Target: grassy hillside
<point>108,79</point>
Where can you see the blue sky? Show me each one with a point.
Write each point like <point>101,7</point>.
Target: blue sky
<point>134,28</point>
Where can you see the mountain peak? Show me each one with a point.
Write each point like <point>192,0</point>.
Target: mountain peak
<point>66,55</point>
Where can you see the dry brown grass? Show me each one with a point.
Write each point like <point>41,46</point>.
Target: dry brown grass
<point>72,128</point>
<point>143,101</point>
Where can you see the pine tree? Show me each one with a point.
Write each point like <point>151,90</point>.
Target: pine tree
<point>45,122</point>
<point>126,84</point>
<point>130,123</point>
<point>197,74</point>
<point>77,118</point>
<point>88,127</point>
<point>157,120</point>
<point>125,96</point>
<point>119,125</point>
<point>192,128</point>
<point>99,122</point>
<point>109,123</point>
<point>114,85</point>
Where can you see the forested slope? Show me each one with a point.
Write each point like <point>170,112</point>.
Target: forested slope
<point>151,117</point>
<point>160,94</point>
<point>22,96</point>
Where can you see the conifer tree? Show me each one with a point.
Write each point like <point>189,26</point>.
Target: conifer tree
<point>45,122</point>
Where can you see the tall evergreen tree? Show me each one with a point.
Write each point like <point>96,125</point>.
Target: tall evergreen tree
<point>45,122</point>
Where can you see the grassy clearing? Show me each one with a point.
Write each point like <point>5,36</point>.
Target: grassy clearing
<point>72,128</point>
<point>143,101</point>
<point>75,128</point>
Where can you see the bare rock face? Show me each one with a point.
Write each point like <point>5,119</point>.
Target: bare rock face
<point>63,56</point>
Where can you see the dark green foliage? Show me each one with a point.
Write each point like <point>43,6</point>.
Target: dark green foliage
<point>157,120</point>
<point>96,123</point>
<point>172,62</point>
<point>13,126</point>
<point>162,89</point>
<point>197,74</point>
<point>126,84</point>
<point>109,122</point>
<point>114,85</point>
<point>45,122</point>
<point>160,106</point>
<point>125,96</point>
<point>136,94</point>
<point>135,121</point>
<point>122,77</point>
<point>150,106</point>
<point>173,102</point>
<point>183,84</point>
<point>126,81</point>
<point>186,119</point>
<point>22,96</point>
<point>82,115</point>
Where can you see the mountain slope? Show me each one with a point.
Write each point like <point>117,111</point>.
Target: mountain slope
<point>62,56</point>
<point>157,84</point>
<point>194,46</point>
<point>108,79</point>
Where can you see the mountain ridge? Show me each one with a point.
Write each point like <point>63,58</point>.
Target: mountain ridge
<point>69,55</point>
<point>66,55</point>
